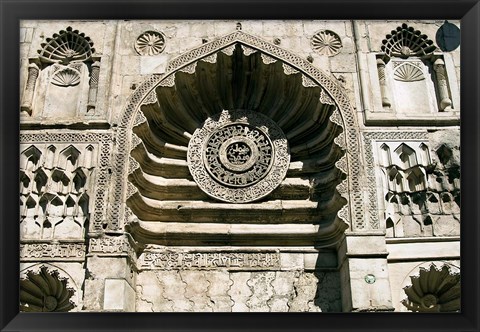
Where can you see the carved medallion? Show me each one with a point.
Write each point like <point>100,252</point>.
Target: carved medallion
<point>150,43</point>
<point>326,42</point>
<point>238,156</point>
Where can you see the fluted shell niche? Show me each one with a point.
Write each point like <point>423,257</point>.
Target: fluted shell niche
<point>237,148</point>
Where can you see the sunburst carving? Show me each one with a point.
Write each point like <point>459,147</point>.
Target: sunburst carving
<point>45,291</point>
<point>168,194</point>
<point>326,42</point>
<point>408,73</point>
<point>67,46</point>
<point>405,41</point>
<point>434,290</point>
<point>150,43</point>
<point>66,77</point>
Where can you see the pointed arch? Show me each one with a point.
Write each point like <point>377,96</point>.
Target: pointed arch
<point>332,93</point>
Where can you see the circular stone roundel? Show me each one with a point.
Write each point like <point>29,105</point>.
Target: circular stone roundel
<point>238,156</point>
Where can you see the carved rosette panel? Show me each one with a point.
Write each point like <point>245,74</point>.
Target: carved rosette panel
<point>433,290</point>
<point>326,42</point>
<point>239,158</point>
<point>150,43</point>
<point>45,291</point>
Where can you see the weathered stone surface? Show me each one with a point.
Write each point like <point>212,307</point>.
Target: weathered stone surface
<point>369,148</point>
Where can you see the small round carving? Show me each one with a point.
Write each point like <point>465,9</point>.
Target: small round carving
<point>150,43</point>
<point>326,42</point>
<point>238,156</point>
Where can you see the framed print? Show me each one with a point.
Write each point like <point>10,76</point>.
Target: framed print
<point>247,166</point>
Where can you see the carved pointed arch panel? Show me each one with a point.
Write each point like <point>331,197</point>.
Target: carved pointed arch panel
<point>239,77</point>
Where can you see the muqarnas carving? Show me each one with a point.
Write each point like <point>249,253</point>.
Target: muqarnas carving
<point>54,191</point>
<point>422,197</point>
<point>63,80</point>
<point>434,290</point>
<point>412,78</point>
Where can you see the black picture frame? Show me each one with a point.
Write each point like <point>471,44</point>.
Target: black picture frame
<point>12,11</point>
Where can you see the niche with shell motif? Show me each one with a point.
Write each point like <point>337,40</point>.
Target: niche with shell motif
<point>412,76</point>
<point>63,81</point>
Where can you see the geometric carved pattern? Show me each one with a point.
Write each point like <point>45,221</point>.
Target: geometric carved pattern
<point>150,43</point>
<point>234,159</point>
<point>66,46</point>
<point>273,51</point>
<point>55,191</point>
<point>421,197</point>
<point>405,41</point>
<point>97,218</point>
<point>369,138</point>
<point>45,291</point>
<point>434,290</point>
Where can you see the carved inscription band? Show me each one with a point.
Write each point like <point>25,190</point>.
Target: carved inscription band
<point>238,156</point>
<point>210,260</point>
<point>52,251</point>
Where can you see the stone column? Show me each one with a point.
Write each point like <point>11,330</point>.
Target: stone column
<point>439,67</point>
<point>364,273</point>
<point>92,92</point>
<point>111,276</point>
<point>33,72</point>
<point>383,83</point>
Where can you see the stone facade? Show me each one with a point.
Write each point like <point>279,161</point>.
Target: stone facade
<point>237,166</point>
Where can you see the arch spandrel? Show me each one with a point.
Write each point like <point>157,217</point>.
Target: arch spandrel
<point>351,214</point>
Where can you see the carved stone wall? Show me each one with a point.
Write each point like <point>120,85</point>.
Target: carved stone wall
<point>418,189</point>
<point>238,165</point>
<point>218,290</point>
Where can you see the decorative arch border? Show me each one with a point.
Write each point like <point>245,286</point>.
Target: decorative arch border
<point>352,213</point>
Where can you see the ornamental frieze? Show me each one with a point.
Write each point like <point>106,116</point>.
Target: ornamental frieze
<point>52,251</point>
<point>172,260</point>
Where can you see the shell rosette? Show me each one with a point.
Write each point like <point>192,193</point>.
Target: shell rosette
<point>434,290</point>
<point>45,291</point>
